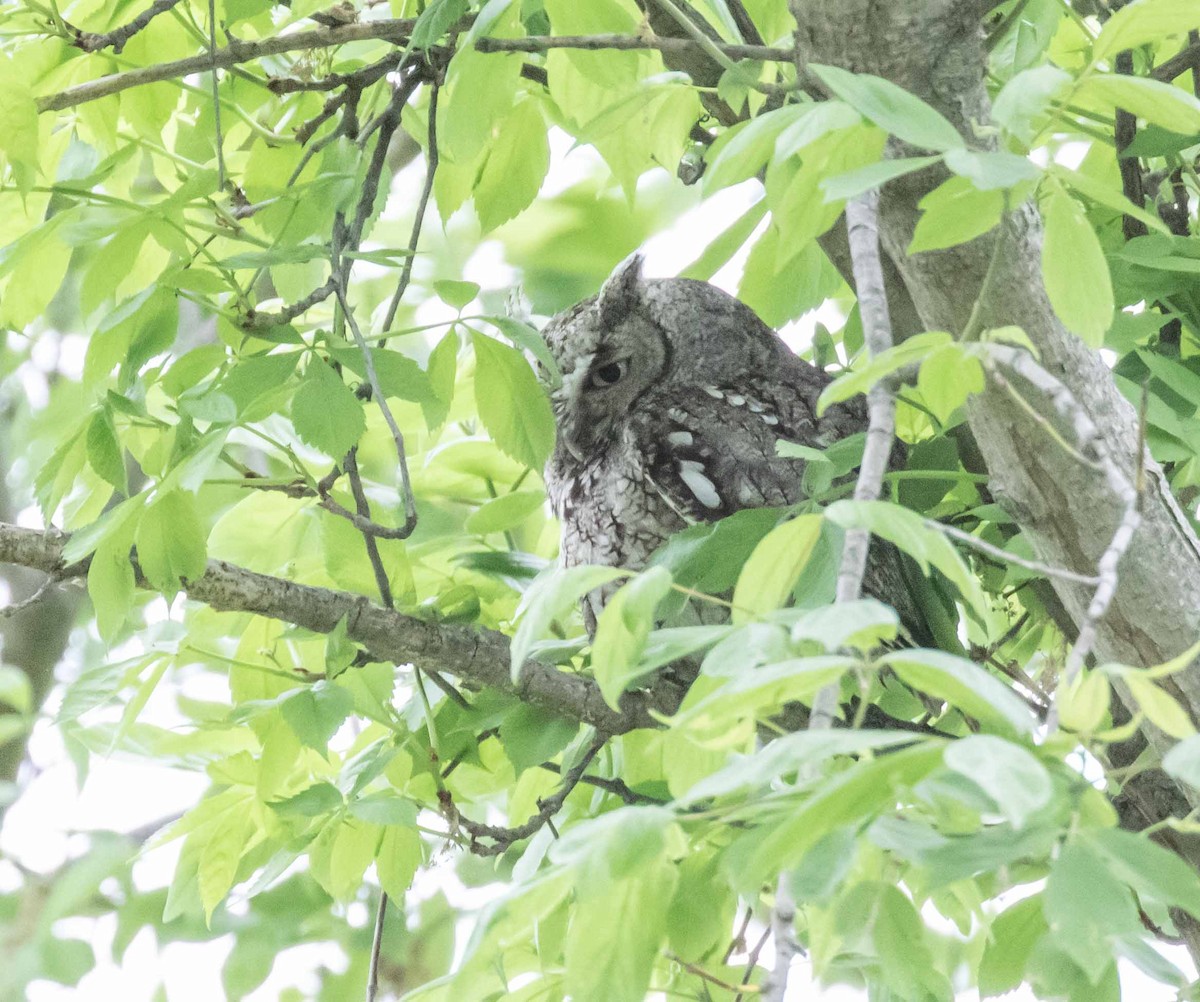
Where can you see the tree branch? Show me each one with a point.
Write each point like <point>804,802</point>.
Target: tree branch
<point>594,43</point>
<point>475,655</point>
<point>93,42</point>
<point>391,30</point>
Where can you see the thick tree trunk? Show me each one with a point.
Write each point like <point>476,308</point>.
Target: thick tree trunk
<point>1068,510</point>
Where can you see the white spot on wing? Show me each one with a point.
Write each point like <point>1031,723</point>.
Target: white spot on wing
<point>713,392</point>
<point>692,474</point>
<point>680,438</point>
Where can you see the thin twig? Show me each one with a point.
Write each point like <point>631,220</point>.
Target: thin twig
<point>410,505</point>
<point>431,165</point>
<point>751,963</point>
<point>617,787</point>
<point>1090,448</point>
<point>44,589</point>
<point>218,137</point>
<point>1046,570</point>
<point>350,465</point>
<point>593,43</point>
<point>704,975</point>
<point>93,41</point>
<point>376,948</point>
<point>502,838</point>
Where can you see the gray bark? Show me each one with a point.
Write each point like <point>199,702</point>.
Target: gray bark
<point>1067,510</point>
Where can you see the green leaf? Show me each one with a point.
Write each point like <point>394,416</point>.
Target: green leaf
<point>531,735</point>
<point>622,629</point>
<point>384,809</point>
<point>1083,705</point>
<point>171,542</point>
<point>505,512</point>
<point>511,404</point>
<point>1014,933</point>
<point>844,186</point>
<point>1023,104</point>
<point>454,293</point>
<point>435,20</point>
<point>909,532</point>
<point>219,858</point>
<point>1085,906</point>
<point>1108,195</point>
<point>315,713</point>
<point>1158,103</point>
<point>1011,776</point>
<point>964,685</point>
<point>774,567</point>
<point>515,167</point>
<point>15,690</point>
<point>105,454</point>
<point>787,754</point>
<point>111,585</point>
<point>553,595</point>
<point>527,339</point>
<point>742,151</point>
<point>397,861</point>
<point>856,381</point>
<point>1074,269</point>
<point>326,413</point>
<point>857,793</point>
<point>19,126</point>
<point>992,170</point>
<point>1145,21</point>
<point>1150,869</point>
<point>947,377</point>
<point>727,243</point>
<point>354,847</point>
<point>615,937</point>
<point>892,108</point>
<point>1159,706</point>
<point>954,213</point>
<point>311,802</point>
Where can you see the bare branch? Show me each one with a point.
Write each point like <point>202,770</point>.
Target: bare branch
<point>501,838</point>
<point>593,43</point>
<point>431,165</point>
<point>783,918</point>
<point>43,590</point>
<point>391,30</point>
<point>116,39</point>
<point>1187,59</point>
<point>1046,570</point>
<point>410,503</point>
<point>477,656</point>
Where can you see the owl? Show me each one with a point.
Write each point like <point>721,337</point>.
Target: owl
<point>672,398</point>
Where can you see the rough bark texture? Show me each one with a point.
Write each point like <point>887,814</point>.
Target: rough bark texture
<point>933,49</point>
<point>478,657</point>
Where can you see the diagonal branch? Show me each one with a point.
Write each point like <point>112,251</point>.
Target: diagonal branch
<point>396,30</point>
<point>93,42</point>
<point>475,655</point>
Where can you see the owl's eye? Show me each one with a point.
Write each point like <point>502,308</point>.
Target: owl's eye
<point>608,375</point>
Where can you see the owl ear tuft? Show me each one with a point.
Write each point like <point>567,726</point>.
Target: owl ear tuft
<point>619,295</point>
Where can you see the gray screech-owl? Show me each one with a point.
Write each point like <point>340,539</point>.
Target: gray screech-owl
<point>672,399</point>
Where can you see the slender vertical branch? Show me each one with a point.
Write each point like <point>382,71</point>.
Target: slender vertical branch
<point>376,948</point>
<point>218,137</point>
<point>431,165</point>
<point>862,220</point>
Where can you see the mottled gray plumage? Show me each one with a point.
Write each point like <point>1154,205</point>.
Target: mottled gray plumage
<point>673,397</point>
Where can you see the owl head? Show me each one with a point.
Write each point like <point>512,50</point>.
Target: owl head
<point>639,335</point>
